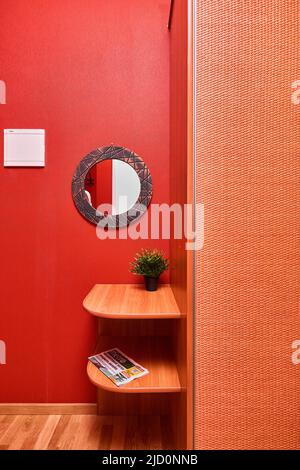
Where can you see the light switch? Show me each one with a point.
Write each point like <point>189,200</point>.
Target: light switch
<point>24,147</point>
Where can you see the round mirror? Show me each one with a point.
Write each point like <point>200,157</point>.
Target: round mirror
<point>112,183</point>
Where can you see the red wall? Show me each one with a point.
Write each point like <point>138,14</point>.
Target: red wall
<point>90,73</point>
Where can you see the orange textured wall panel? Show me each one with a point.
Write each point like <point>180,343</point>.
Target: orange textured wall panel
<point>248,178</point>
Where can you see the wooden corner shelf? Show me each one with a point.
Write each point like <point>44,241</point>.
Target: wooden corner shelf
<point>117,301</point>
<point>154,353</point>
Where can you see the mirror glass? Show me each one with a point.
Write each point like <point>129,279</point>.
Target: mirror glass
<point>112,182</point>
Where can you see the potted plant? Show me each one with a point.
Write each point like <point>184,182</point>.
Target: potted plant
<point>150,264</point>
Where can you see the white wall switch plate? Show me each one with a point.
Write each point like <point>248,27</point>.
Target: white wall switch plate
<point>24,147</point>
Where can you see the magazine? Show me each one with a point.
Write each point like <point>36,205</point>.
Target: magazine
<point>118,367</point>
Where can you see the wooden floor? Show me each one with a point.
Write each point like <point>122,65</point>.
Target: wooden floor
<point>83,432</point>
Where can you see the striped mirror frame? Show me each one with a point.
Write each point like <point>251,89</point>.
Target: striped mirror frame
<point>80,198</point>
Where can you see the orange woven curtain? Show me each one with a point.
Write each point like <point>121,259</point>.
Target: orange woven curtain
<point>248,178</point>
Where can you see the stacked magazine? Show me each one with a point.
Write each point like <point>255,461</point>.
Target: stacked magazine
<point>117,366</point>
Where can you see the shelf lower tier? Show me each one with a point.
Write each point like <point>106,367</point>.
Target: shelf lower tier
<point>153,353</point>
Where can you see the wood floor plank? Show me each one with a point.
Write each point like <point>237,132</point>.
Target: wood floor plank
<point>91,433</point>
<point>47,432</point>
<point>25,425</point>
<point>5,422</point>
<point>119,433</point>
<point>78,431</point>
<point>55,442</point>
<point>82,432</point>
<point>71,433</point>
<point>10,432</point>
<point>31,433</point>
